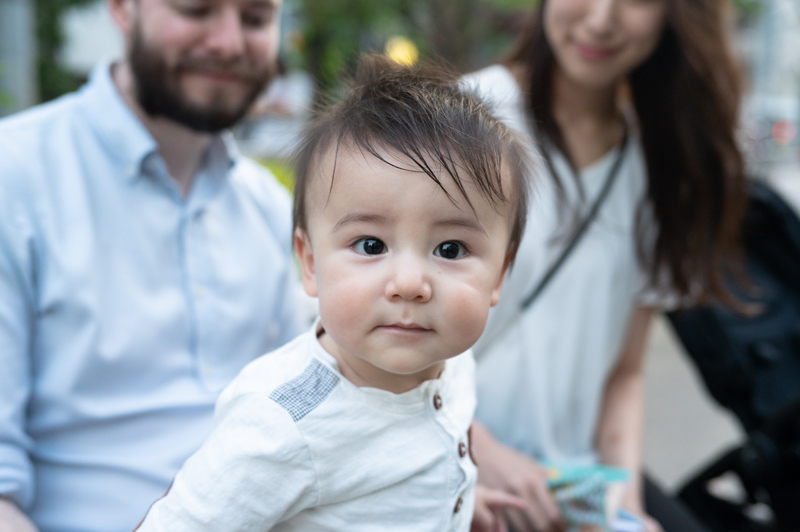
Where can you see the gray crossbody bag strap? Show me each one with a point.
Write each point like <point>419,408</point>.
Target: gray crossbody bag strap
<point>584,224</point>
<point>582,227</point>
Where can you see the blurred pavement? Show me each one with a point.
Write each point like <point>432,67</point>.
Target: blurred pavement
<point>684,429</point>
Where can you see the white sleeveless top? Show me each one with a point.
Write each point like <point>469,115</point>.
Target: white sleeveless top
<point>541,377</point>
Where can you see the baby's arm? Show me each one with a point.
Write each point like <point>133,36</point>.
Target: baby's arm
<point>254,471</point>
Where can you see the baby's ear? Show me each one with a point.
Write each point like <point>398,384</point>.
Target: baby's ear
<point>302,246</point>
<point>496,292</point>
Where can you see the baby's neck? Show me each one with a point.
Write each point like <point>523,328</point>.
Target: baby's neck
<point>366,375</point>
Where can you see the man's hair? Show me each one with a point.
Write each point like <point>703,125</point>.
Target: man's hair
<point>422,113</point>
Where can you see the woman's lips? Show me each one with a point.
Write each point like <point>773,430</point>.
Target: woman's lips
<point>595,53</point>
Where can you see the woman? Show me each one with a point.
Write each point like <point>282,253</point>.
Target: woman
<point>638,97</point>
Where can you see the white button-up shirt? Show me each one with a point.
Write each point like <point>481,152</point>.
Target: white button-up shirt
<point>299,447</point>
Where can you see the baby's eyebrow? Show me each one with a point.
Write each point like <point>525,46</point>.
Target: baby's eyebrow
<point>380,219</point>
<point>469,223</point>
<point>361,217</point>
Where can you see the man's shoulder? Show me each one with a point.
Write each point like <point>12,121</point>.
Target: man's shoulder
<point>258,181</point>
<point>34,123</point>
<point>32,138</point>
<point>256,185</point>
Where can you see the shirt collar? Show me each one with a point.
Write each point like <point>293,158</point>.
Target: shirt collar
<point>115,124</point>
<point>120,131</point>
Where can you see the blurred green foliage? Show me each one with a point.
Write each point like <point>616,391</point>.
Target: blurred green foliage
<point>53,79</point>
<point>6,99</point>
<point>465,33</point>
<point>748,8</point>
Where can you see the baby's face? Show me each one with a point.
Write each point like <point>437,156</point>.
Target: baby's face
<point>405,276</point>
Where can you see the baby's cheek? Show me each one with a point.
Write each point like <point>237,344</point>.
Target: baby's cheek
<point>469,310</point>
<point>344,304</point>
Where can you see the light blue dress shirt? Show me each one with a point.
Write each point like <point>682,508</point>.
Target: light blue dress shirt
<point>125,307</point>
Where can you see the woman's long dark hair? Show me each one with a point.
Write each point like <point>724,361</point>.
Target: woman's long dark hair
<point>686,96</point>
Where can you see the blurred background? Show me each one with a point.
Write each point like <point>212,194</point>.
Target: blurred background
<point>48,47</point>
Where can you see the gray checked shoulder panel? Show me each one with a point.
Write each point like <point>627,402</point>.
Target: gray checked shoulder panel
<point>304,393</point>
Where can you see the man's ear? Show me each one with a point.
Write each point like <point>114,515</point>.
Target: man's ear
<point>302,246</point>
<point>496,292</point>
<point>123,14</point>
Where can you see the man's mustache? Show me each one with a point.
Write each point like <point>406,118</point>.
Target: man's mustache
<point>240,69</point>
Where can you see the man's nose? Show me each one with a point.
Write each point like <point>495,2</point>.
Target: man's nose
<point>226,36</point>
<point>409,281</point>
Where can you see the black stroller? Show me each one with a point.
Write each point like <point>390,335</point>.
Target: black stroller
<point>751,366</point>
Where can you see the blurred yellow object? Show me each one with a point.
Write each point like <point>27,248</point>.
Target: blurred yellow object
<point>281,169</point>
<point>402,50</point>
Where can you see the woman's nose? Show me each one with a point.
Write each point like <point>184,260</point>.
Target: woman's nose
<point>601,15</point>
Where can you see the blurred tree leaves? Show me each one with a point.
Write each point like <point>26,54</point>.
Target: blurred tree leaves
<point>53,80</point>
<point>6,99</point>
<point>334,31</point>
<point>465,33</point>
<point>748,8</point>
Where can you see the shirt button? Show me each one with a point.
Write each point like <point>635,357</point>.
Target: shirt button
<point>459,502</point>
<point>462,449</point>
<point>437,402</point>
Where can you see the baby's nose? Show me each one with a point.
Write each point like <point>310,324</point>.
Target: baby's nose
<point>409,282</point>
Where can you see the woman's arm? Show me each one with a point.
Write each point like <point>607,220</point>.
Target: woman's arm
<point>505,469</point>
<point>620,426</point>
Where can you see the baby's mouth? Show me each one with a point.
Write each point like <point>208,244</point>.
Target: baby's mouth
<point>405,328</point>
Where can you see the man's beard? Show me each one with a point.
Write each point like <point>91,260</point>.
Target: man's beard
<point>158,88</point>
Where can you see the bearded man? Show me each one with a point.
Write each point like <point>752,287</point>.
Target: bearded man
<point>143,263</point>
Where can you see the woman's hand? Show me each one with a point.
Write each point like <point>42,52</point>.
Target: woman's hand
<point>504,469</point>
<point>634,507</point>
<point>489,506</point>
<point>650,524</point>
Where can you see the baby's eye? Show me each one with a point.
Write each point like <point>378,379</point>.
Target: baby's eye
<point>450,250</point>
<point>369,246</point>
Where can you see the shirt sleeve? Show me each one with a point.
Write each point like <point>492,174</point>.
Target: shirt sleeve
<point>254,471</point>
<point>16,326</point>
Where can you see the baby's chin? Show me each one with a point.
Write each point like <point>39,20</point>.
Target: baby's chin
<point>424,372</point>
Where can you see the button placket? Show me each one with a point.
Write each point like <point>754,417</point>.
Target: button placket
<point>199,270</point>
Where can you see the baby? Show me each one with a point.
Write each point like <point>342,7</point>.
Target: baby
<point>410,203</point>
